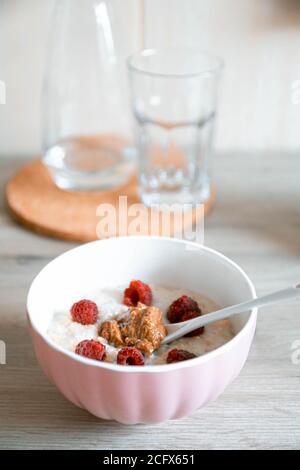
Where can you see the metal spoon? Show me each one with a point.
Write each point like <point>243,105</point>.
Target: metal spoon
<point>177,330</point>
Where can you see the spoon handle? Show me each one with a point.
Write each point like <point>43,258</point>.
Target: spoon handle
<point>187,327</point>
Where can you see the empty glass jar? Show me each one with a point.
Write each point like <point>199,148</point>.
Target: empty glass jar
<point>87,140</point>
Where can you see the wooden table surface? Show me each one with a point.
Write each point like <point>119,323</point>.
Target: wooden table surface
<point>256,222</point>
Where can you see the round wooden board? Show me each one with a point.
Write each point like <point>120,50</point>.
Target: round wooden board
<point>37,203</point>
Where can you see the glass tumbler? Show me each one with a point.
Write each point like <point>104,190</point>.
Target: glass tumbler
<point>174,101</point>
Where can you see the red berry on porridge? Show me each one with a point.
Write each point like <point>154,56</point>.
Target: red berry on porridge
<point>130,357</point>
<point>178,355</point>
<point>180,307</point>
<point>84,312</point>
<point>92,349</point>
<point>137,292</point>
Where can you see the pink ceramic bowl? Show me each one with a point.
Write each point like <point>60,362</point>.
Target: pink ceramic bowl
<point>148,394</point>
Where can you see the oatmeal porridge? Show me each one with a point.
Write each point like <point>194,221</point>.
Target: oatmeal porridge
<point>126,325</point>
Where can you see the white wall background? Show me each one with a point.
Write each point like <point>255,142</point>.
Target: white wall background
<point>259,40</point>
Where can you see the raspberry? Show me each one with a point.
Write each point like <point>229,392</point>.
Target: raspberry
<point>189,316</point>
<point>130,357</point>
<point>84,312</point>
<point>92,349</point>
<point>137,292</point>
<point>181,306</point>
<point>177,355</point>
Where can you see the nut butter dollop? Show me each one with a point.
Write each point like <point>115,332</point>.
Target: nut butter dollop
<point>142,328</point>
<point>110,331</point>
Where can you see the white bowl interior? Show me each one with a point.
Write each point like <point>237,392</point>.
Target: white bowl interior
<point>113,262</point>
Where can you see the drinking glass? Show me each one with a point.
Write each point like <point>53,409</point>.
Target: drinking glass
<point>174,101</point>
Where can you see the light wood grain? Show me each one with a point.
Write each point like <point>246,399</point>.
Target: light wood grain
<point>256,222</point>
